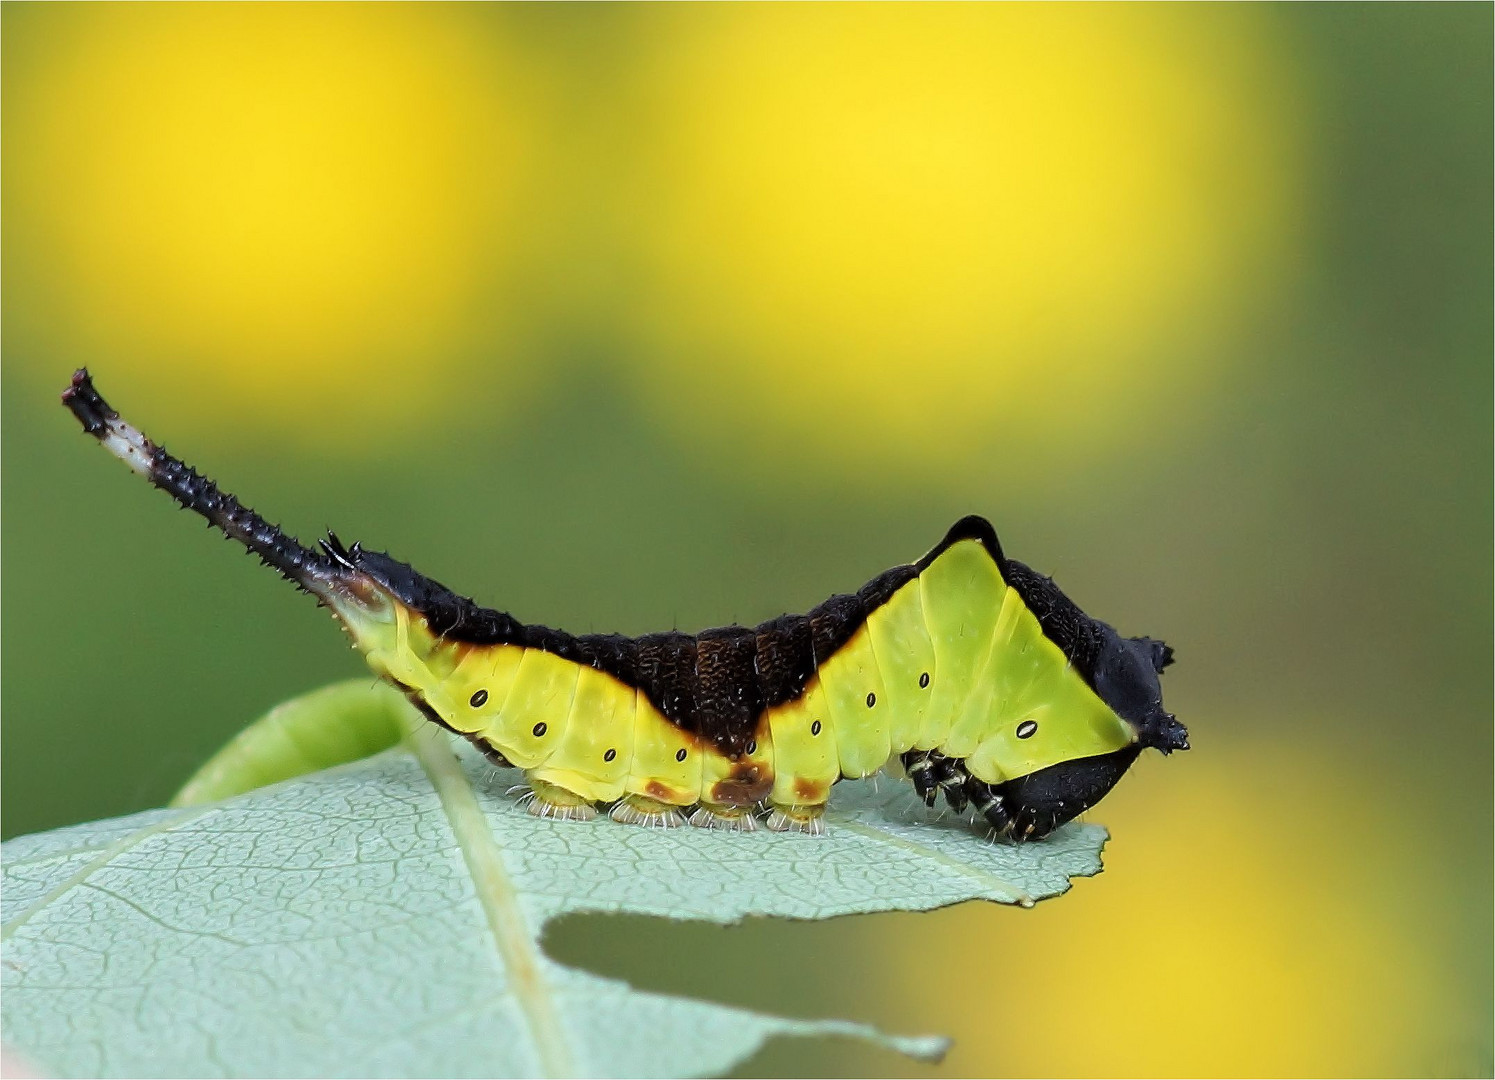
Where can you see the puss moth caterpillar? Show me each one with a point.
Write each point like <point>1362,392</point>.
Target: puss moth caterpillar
<point>991,686</point>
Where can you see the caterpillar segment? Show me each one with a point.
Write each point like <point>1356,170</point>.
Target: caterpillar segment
<point>979,675</point>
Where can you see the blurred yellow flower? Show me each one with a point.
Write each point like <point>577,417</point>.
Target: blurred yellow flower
<point>861,234</point>
<point>883,233</point>
<point>297,207</point>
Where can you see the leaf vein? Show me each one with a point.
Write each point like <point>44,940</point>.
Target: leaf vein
<point>499,897</point>
<point>95,864</point>
<point>1013,893</point>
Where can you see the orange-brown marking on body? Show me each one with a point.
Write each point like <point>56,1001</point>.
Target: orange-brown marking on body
<point>655,790</point>
<point>745,786</point>
<point>811,791</point>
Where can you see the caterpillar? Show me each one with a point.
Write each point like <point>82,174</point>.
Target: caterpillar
<point>991,687</point>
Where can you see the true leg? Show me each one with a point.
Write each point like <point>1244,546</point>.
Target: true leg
<point>989,805</point>
<point>919,765</point>
<point>950,774</point>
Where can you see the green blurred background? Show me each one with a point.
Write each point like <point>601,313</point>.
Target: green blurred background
<point>633,317</point>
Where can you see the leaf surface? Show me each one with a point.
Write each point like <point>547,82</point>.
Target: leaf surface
<point>384,917</point>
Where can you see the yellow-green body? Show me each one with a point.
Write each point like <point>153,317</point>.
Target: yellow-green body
<point>989,669</point>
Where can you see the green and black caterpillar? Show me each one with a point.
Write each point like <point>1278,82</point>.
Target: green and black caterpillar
<point>979,674</point>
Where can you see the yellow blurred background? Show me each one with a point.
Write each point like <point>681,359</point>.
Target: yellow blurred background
<point>626,317</point>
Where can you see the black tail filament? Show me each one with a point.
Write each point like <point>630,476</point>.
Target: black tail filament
<point>309,570</point>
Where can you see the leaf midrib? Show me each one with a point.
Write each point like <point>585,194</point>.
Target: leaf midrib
<point>1013,894</point>
<point>517,947</point>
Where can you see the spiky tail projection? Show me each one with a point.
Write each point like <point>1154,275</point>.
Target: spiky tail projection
<point>395,616</point>
<point>317,573</point>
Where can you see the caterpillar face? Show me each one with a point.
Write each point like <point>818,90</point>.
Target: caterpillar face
<point>989,683</point>
<point>1126,678</point>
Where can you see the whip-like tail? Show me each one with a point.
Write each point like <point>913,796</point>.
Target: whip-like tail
<point>317,572</point>
<point>359,585</point>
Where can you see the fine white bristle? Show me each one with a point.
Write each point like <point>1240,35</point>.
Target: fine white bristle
<point>561,811</point>
<point>627,813</point>
<point>706,818</point>
<point>779,821</point>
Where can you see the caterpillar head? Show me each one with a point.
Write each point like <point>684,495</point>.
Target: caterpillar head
<point>1126,678</point>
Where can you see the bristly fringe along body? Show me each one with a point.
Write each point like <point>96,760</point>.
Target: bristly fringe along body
<point>987,682</point>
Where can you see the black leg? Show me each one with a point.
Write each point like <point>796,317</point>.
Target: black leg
<point>989,805</point>
<point>950,773</point>
<point>920,769</point>
<point>1001,806</point>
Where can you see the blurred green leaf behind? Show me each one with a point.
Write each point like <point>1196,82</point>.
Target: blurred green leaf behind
<point>565,419</point>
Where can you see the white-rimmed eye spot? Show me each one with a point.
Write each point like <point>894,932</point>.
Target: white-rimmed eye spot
<point>478,699</point>
<point>1026,729</point>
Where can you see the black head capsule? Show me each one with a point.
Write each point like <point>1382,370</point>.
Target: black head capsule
<point>1126,678</point>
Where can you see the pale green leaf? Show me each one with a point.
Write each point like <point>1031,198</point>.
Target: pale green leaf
<point>384,918</point>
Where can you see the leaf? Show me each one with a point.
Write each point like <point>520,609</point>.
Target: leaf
<point>384,917</point>
<point>347,721</point>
